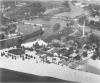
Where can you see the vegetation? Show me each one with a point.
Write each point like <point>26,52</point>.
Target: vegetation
<point>94,25</point>
<point>9,29</point>
<point>56,27</point>
<point>8,3</point>
<point>90,23</point>
<point>94,9</point>
<point>4,20</point>
<point>26,12</point>
<point>66,4</point>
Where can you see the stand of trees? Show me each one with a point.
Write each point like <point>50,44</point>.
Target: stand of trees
<point>8,3</point>
<point>56,27</point>
<point>4,20</point>
<point>94,9</point>
<point>34,9</point>
<point>67,5</point>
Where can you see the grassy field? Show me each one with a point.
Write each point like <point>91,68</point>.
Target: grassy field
<point>26,29</point>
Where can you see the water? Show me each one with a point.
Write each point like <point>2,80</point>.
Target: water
<point>13,76</point>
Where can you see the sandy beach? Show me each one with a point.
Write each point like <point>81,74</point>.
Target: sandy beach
<point>52,59</point>
<point>52,70</point>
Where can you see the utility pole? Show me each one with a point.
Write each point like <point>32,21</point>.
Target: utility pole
<point>1,7</point>
<point>84,29</point>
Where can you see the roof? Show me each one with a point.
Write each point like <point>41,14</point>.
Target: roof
<point>16,51</point>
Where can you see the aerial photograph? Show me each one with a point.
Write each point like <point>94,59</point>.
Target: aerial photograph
<point>50,41</point>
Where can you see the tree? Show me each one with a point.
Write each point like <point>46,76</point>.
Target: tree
<point>94,25</point>
<point>37,46</point>
<point>2,36</point>
<point>33,9</point>
<point>8,3</point>
<point>56,27</point>
<point>19,42</point>
<point>36,8</point>
<point>94,9</point>
<point>66,4</point>
<point>5,20</point>
<point>82,19</point>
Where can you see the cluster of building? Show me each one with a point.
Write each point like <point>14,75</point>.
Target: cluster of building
<point>58,52</point>
<point>54,52</point>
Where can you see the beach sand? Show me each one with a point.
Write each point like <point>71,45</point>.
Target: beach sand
<point>51,70</point>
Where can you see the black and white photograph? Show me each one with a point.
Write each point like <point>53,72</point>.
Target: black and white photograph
<point>50,41</point>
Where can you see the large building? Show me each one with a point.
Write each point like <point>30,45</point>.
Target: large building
<point>17,40</point>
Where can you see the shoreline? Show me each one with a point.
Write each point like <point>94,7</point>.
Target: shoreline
<point>52,70</point>
<point>16,76</point>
